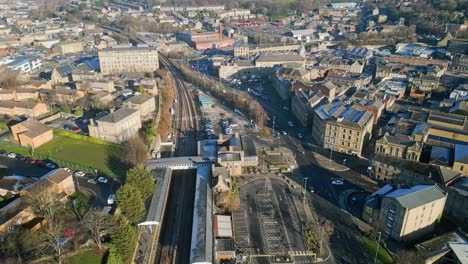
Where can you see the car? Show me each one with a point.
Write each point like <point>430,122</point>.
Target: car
<point>28,160</point>
<point>11,155</point>
<point>19,157</point>
<point>205,158</point>
<point>66,169</point>
<point>79,173</point>
<point>92,181</point>
<point>111,199</point>
<point>337,182</point>
<point>284,132</point>
<point>38,162</point>
<point>290,123</point>
<point>3,152</point>
<point>286,108</point>
<point>300,136</point>
<point>51,165</point>
<point>102,180</point>
<point>107,209</point>
<point>85,121</point>
<point>76,129</point>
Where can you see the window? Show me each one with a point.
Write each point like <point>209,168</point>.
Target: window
<point>344,136</point>
<point>349,137</point>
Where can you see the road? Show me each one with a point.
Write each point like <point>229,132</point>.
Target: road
<point>176,231</point>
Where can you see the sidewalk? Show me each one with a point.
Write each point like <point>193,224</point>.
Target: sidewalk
<point>327,163</point>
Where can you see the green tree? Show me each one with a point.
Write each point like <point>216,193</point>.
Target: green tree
<point>130,203</point>
<point>149,132</point>
<point>124,237</point>
<point>142,180</point>
<point>78,111</point>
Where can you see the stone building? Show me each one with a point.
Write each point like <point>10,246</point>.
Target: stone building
<point>70,47</point>
<point>116,127</point>
<point>401,146</point>
<point>144,103</point>
<point>31,133</point>
<point>405,214</point>
<point>236,152</point>
<point>303,104</point>
<point>397,170</point>
<point>128,59</point>
<point>29,109</point>
<point>342,127</point>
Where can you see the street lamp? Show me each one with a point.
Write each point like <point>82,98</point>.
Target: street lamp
<point>305,188</point>
<point>377,250</point>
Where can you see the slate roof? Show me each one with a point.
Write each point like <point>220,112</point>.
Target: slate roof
<point>350,115</point>
<point>35,128</point>
<point>118,115</point>
<point>140,99</point>
<point>417,195</point>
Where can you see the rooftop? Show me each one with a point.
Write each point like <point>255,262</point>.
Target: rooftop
<point>140,99</point>
<point>416,196</point>
<point>339,112</point>
<point>118,115</point>
<point>35,128</point>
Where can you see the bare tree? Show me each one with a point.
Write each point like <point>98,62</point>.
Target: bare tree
<point>135,151</point>
<point>96,222</point>
<point>10,79</point>
<point>53,242</point>
<point>44,202</point>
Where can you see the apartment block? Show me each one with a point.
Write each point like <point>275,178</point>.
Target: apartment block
<point>342,127</point>
<point>116,127</point>
<point>401,146</point>
<point>405,214</point>
<point>119,60</point>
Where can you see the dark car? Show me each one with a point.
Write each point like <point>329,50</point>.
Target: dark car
<point>28,160</point>
<point>19,157</point>
<point>2,152</point>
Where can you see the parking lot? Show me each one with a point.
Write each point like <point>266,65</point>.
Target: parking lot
<point>267,222</point>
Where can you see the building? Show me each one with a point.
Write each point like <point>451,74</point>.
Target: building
<point>26,64</point>
<point>347,65</point>
<point>438,248</point>
<point>31,133</point>
<point>70,47</point>
<point>18,211</point>
<point>400,146</point>
<point>128,59</point>
<point>403,171</point>
<point>62,74</point>
<point>116,127</point>
<point>456,207</point>
<point>405,214</point>
<point>144,103</point>
<point>25,108</point>
<point>235,152</point>
<point>292,61</point>
<point>342,127</point>
<point>241,50</point>
<point>303,104</point>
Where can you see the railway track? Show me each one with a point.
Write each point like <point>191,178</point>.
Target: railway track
<point>176,236</point>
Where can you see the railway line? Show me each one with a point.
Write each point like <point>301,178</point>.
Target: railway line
<point>177,230</point>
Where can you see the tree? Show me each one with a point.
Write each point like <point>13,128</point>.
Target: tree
<point>142,180</point>
<point>13,247</point>
<point>10,79</point>
<point>52,243</point>
<point>124,237</point>
<point>408,257</point>
<point>96,222</point>
<point>149,132</point>
<point>44,203</point>
<point>135,151</point>
<point>130,203</point>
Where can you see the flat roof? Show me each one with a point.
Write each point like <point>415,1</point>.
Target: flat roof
<point>161,189</point>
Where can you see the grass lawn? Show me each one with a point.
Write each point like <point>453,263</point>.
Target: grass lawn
<point>383,256</point>
<point>84,155</point>
<point>87,257</point>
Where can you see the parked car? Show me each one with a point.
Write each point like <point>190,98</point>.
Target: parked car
<point>300,136</point>
<point>102,180</point>
<point>337,182</point>
<point>66,169</point>
<point>28,160</point>
<point>284,132</point>
<point>2,152</point>
<point>76,129</point>
<point>290,123</point>
<point>51,165</point>
<point>19,157</point>
<point>79,173</point>
<point>38,162</point>
<point>12,155</point>
<point>111,199</point>
<point>92,181</point>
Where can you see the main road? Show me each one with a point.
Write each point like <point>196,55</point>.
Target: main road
<point>177,226</point>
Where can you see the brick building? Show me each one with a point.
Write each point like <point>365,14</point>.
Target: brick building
<point>31,133</point>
